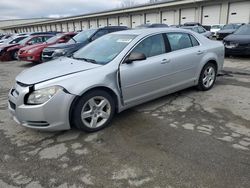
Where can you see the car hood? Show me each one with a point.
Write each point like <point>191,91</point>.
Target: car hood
<point>68,45</point>
<point>34,46</point>
<point>244,39</point>
<point>226,31</point>
<point>54,69</point>
<point>7,46</point>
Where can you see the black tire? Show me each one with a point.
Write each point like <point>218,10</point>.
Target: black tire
<point>14,55</point>
<point>201,86</point>
<point>76,119</point>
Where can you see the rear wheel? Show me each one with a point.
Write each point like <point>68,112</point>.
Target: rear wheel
<point>94,111</point>
<point>207,77</point>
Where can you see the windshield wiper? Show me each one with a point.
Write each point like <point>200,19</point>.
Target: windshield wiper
<point>86,59</point>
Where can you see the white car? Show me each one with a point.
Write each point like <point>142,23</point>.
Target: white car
<point>215,28</point>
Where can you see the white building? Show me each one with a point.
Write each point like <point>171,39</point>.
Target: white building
<point>173,12</point>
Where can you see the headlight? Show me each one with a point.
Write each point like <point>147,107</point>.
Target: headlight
<point>59,52</point>
<point>32,50</point>
<point>42,95</point>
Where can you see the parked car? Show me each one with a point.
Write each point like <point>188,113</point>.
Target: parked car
<point>79,41</point>
<point>156,25</point>
<point>216,28</point>
<point>11,50</point>
<point>199,29</point>
<point>113,73</point>
<point>33,53</point>
<point>238,43</point>
<point>8,44</point>
<point>227,30</point>
<point>5,38</point>
<point>13,40</point>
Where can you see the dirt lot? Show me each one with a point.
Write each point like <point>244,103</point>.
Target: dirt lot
<point>187,139</point>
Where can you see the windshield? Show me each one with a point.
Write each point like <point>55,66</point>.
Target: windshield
<point>104,49</point>
<point>17,40</point>
<point>216,27</point>
<point>23,42</point>
<point>54,39</point>
<point>230,26</point>
<point>83,36</point>
<point>244,30</point>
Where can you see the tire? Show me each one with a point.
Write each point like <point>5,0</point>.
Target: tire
<point>93,111</point>
<point>207,77</point>
<point>14,55</point>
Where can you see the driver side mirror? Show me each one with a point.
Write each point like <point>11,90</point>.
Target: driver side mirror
<point>135,56</point>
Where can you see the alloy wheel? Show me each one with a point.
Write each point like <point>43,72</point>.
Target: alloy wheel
<point>208,77</point>
<point>96,112</point>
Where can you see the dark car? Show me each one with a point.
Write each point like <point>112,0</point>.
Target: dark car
<point>199,29</point>
<point>77,42</point>
<point>227,30</point>
<point>156,25</point>
<point>238,43</point>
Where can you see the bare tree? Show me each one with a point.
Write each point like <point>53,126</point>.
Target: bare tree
<point>127,3</point>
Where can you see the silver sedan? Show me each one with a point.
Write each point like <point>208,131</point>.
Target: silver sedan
<point>115,72</point>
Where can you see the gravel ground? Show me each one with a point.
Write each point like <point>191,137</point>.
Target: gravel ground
<point>187,139</point>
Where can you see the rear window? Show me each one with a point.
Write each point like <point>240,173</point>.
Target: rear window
<point>179,41</point>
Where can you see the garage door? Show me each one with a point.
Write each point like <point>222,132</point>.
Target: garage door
<point>53,27</point>
<point>58,27</point>
<point>64,27</point>
<point>44,28</point>
<point>71,26</point>
<point>136,20</point>
<point>93,24</point>
<point>187,15</point>
<point>168,17</point>
<point>78,26</point>
<point>152,18</point>
<point>113,21</point>
<point>48,28</point>
<point>102,22</point>
<point>211,15</point>
<point>85,25</point>
<point>239,12</point>
<point>124,21</point>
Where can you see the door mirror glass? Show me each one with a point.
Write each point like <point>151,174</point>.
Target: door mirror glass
<point>135,56</point>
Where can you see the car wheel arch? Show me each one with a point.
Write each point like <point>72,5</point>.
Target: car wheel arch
<point>103,88</point>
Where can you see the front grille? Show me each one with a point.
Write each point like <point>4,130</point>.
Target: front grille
<point>12,105</point>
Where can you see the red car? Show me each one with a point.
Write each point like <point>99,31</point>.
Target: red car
<point>11,50</point>
<point>33,53</point>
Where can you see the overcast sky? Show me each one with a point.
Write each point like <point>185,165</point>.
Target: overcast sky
<point>12,9</point>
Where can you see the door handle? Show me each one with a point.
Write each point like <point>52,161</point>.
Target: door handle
<point>164,61</point>
<point>200,52</point>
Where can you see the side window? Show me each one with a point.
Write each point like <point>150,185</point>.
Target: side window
<point>201,30</point>
<point>196,29</point>
<point>179,41</point>
<point>45,38</point>
<point>151,46</point>
<point>99,34</point>
<point>194,41</point>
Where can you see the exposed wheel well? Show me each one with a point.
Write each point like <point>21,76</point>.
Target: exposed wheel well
<point>213,62</point>
<point>112,93</point>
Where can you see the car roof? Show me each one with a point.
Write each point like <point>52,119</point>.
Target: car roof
<point>149,31</point>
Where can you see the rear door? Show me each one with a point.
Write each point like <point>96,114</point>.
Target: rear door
<point>140,80</point>
<point>184,59</point>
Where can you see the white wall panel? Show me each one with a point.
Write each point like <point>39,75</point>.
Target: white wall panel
<point>152,18</point>
<point>102,22</point>
<point>187,15</point>
<point>93,24</point>
<point>211,15</point>
<point>168,17</point>
<point>137,20</point>
<point>239,12</point>
<point>124,21</point>
<point>113,21</point>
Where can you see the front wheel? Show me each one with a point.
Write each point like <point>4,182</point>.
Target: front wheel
<point>207,77</point>
<point>94,111</point>
<point>14,55</point>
